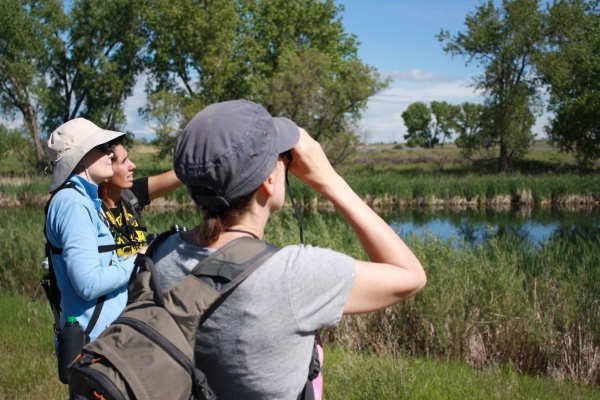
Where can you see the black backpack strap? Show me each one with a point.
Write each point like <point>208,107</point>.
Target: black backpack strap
<point>132,201</point>
<point>96,314</point>
<point>126,230</point>
<point>201,389</point>
<point>133,204</point>
<point>143,262</point>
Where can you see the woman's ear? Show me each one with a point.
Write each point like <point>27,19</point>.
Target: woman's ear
<point>268,186</point>
<point>79,167</point>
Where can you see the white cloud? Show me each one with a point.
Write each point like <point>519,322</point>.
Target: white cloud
<point>419,76</point>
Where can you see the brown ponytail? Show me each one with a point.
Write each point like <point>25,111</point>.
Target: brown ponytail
<point>216,219</point>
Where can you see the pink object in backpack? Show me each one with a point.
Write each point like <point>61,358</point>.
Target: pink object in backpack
<point>318,381</point>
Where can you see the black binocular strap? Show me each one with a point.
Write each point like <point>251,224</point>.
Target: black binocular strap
<point>95,315</point>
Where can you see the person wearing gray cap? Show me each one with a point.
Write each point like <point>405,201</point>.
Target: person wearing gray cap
<point>258,342</point>
<point>81,247</point>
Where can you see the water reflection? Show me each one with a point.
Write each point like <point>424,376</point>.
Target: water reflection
<point>533,225</point>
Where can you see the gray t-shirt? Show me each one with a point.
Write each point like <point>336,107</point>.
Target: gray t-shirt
<point>258,343</point>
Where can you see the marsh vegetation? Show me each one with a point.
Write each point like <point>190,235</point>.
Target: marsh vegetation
<point>501,313</point>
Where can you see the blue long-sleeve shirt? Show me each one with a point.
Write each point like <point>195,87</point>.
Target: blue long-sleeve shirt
<point>83,275</point>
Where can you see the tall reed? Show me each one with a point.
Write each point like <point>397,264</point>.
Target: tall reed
<point>500,303</point>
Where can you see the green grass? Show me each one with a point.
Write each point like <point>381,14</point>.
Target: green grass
<point>29,369</point>
<point>391,188</point>
<point>448,160</point>
<point>352,375</point>
<point>28,363</point>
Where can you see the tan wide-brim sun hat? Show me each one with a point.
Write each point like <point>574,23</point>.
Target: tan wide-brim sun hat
<point>68,144</point>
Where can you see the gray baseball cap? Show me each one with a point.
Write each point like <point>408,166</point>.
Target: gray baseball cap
<point>71,141</point>
<point>230,148</point>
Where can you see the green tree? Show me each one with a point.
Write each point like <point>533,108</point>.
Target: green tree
<point>571,69</point>
<point>417,119</point>
<point>471,130</point>
<point>193,44</point>
<point>293,57</point>
<point>504,41</point>
<point>26,29</point>
<point>426,124</point>
<point>444,119</point>
<point>162,113</point>
<point>94,68</point>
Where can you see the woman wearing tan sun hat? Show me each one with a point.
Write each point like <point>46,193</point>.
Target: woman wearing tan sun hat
<point>81,247</point>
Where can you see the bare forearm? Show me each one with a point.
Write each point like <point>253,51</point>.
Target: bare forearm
<point>162,184</point>
<point>379,240</point>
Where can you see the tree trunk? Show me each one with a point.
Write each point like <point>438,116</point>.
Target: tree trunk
<point>504,160</point>
<point>31,122</point>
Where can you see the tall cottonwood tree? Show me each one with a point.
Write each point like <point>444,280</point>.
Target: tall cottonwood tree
<point>26,34</point>
<point>94,68</point>
<point>293,57</point>
<point>571,69</point>
<point>192,44</point>
<point>57,65</point>
<point>504,40</point>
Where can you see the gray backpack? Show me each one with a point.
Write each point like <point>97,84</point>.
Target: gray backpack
<point>148,352</point>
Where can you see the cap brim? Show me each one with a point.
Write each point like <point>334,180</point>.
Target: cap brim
<point>68,161</point>
<point>288,133</point>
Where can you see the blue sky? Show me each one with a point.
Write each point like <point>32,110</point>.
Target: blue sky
<point>398,38</point>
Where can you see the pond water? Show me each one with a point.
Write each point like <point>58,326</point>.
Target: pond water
<point>474,225</point>
<point>533,225</point>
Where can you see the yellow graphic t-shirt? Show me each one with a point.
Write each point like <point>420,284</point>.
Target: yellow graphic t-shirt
<point>134,236</point>
<point>123,228</point>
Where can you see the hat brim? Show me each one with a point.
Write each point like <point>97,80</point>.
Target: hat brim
<point>288,133</point>
<point>67,163</point>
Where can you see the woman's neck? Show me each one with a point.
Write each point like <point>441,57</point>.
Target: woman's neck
<point>109,194</point>
<point>233,232</point>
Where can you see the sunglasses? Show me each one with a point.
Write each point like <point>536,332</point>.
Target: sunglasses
<point>104,148</point>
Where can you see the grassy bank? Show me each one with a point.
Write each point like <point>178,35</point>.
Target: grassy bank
<point>384,177</point>
<point>502,303</point>
<point>29,369</point>
<point>386,190</point>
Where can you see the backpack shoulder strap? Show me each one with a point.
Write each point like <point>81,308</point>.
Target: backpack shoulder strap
<point>133,204</point>
<point>234,262</point>
<point>144,262</point>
